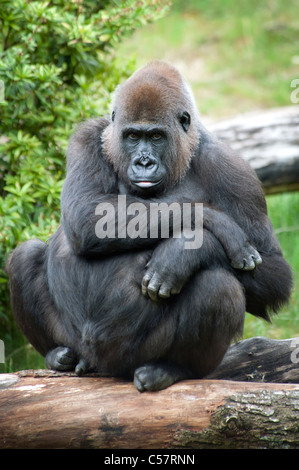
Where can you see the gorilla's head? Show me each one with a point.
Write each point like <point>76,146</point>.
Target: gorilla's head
<point>154,129</point>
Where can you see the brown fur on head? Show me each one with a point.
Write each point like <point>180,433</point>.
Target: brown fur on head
<point>155,94</point>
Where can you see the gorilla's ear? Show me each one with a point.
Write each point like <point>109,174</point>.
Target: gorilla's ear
<point>185,120</point>
<point>113,116</point>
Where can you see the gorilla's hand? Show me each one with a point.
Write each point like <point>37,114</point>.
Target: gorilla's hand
<point>158,282</point>
<point>240,252</point>
<point>246,258</point>
<point>168,270</point>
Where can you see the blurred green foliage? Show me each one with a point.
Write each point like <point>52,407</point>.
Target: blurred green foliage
<point>59,65</point>
<point>237,55</point>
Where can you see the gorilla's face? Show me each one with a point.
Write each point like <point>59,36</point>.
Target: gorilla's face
<point>145,148</point>
<point>150,139</point>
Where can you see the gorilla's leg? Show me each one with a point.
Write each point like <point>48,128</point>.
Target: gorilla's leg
<point>210,312</point>
<point>33,308</point>
<point>30,296</point>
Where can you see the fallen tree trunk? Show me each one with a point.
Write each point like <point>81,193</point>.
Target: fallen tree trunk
<point>63,412</point>
<point>269,141</point>
<point>46,409</point>
<point>261,359</point>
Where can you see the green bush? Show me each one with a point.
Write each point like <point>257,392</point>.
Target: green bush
<point>58,65</point>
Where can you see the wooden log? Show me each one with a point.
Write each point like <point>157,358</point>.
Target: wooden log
<point>269,141</point>
<point>42,409</point>
<point>261,359</point>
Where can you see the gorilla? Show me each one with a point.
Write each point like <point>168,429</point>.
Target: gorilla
<point>112,290</point>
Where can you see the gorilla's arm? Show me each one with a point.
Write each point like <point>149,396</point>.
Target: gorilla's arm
<point>171,265</point>
<point>91,180</point>
<point>231,185</point>
<point>79,222</point>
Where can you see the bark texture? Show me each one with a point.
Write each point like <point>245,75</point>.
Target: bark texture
<point>269,140</point>
<point>42,409</point>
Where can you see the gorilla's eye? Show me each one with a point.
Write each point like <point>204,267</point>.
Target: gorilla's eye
<point>132,136</point>
<point>156,136</point>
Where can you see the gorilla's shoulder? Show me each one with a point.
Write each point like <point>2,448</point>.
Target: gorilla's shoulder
<point>86,142</point>
<point>90,130</point>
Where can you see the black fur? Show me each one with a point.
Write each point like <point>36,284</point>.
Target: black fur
<point>90,303</point>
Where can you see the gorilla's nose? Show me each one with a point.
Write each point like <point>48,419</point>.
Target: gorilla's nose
<point>145,162</point>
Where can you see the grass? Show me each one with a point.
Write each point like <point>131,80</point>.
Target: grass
<point>234,62</point>
<point>238,57</point>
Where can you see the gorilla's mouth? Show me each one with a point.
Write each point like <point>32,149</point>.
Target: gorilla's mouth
<point>146,184</point>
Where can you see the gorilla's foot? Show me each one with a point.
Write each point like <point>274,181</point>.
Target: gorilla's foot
<point>153,377</point>
<point>65,359</point>
<point>81,368</point>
